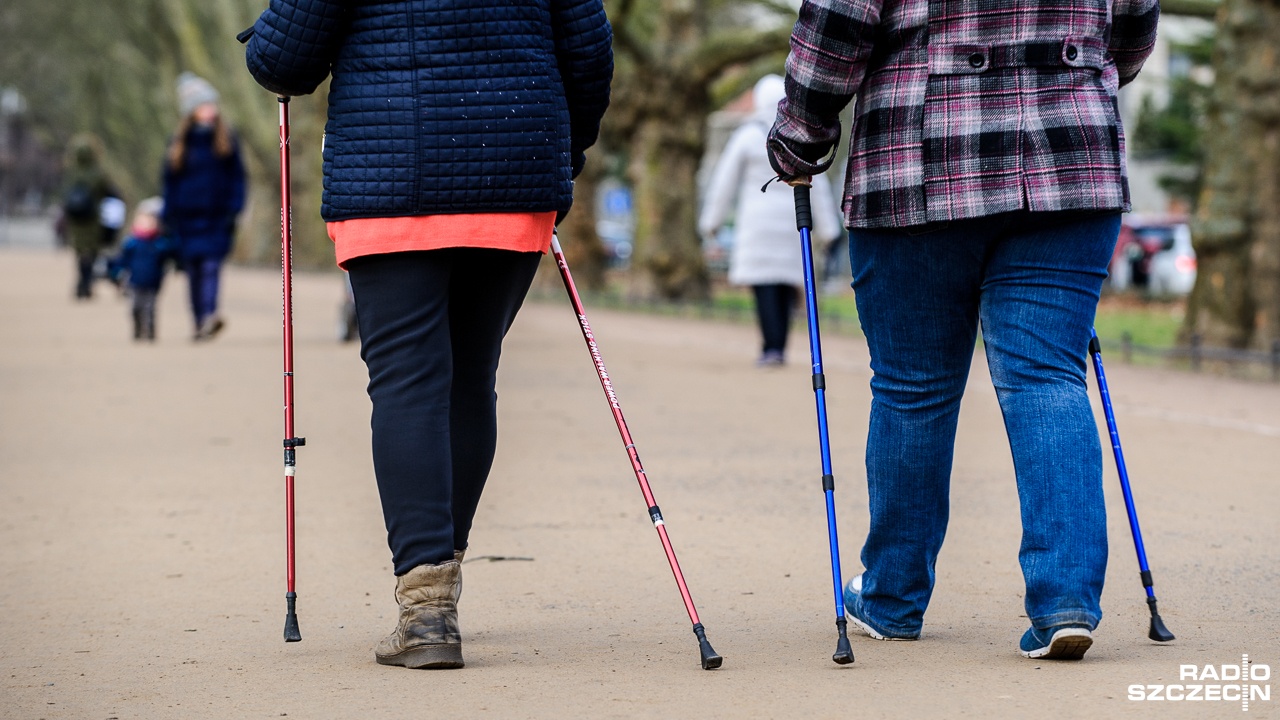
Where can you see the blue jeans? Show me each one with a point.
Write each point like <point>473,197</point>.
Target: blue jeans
<point>1032,280</point>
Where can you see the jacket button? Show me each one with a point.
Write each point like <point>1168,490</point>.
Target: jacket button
<point>976,60</point>
<point>1072,52</point>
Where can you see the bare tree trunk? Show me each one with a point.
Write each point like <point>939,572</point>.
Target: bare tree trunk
<point>1236,299</point>
<point>671,53</point>
<point>109,66</point>
<point>259,239</point>
<point>583,250</point>
<point>582,247</point>
<point>666,152</point>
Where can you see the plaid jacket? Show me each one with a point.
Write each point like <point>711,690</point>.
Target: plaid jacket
<point>966,108</point>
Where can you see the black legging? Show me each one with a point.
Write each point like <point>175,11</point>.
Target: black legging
<point>84,273</point>
<point>774,305</point>
<point>431,328</point>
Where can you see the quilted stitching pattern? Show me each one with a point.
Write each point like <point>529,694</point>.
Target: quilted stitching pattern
<point>444,106</point>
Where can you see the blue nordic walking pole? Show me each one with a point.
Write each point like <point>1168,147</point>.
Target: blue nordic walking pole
<point>1158,631</point>
<point>804,223</point>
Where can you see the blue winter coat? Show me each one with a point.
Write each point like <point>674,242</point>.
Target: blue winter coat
<point>444,106</point>
<point>202,199</point>
<point>144,260</point>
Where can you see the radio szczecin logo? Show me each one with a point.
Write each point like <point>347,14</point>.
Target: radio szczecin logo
<point>1244,683</point>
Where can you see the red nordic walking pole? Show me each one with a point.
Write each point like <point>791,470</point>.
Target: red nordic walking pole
<point>291,442</point>
<point>710,660</point>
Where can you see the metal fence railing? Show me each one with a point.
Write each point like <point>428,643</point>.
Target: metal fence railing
<point>832,319</point>
<point>1196,356</point>
<point>1260,364</point>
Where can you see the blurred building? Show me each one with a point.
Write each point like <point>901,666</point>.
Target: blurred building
<point>28,167</point>
<point>1166,64</point>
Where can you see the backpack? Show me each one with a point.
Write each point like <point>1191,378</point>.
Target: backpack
<point>79,204</point>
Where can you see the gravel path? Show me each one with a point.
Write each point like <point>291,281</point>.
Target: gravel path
<point>141,516</point>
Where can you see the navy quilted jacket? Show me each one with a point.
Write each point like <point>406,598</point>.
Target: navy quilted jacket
<point>444,106</point>
<point>202,199</point>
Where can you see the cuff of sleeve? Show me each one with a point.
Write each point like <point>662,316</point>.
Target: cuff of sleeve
<point>789,163</point>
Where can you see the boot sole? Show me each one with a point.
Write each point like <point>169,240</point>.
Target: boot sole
<point>425,657</point>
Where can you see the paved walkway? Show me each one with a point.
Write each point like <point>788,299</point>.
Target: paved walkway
<point>141,521</point>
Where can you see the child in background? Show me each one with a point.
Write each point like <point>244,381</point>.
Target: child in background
<point>143,259</point>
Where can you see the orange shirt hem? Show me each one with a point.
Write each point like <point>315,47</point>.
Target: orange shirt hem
<point>518,232</point>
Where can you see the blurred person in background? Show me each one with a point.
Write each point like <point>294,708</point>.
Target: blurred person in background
<point>204,191</point>
<point>141,265</point>
<point>455,131</point>
<point>112,214</point>
<point>85,189</point>
<point>766,247</point>
<point>985,186</point>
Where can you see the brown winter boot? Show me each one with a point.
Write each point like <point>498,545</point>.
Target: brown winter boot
<point>457,555</point>
<point>427,635</point>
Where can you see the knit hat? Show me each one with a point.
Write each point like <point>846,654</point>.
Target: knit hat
<point>151,206</point>
<point>147,218</point>
<point>768,92</point>
<point>194,91</point>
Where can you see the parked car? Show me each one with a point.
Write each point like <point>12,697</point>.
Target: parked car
<point>1154,256</point>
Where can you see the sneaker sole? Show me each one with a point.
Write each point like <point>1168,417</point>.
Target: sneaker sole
<point>425,657</point>
<point>871,632</point>
<point>1068,644</point>
<point>865,628</point>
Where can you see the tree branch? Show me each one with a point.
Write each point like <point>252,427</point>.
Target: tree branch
<point>725,50</point>
<point>781,7</point>
<point>624,40</point>
<point>1195,8</point>
<point>626,43</point>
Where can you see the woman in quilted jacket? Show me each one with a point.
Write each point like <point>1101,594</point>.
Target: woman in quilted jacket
<point>455,129</point>
<point>985,184</point>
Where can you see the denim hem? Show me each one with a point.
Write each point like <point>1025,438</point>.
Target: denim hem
<point>1067,617</point>
<point>900,633</point>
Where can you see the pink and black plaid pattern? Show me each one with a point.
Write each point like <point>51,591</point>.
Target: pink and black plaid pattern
<point>966,108</point>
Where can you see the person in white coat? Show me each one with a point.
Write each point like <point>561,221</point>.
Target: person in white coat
<point>766,246</point>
